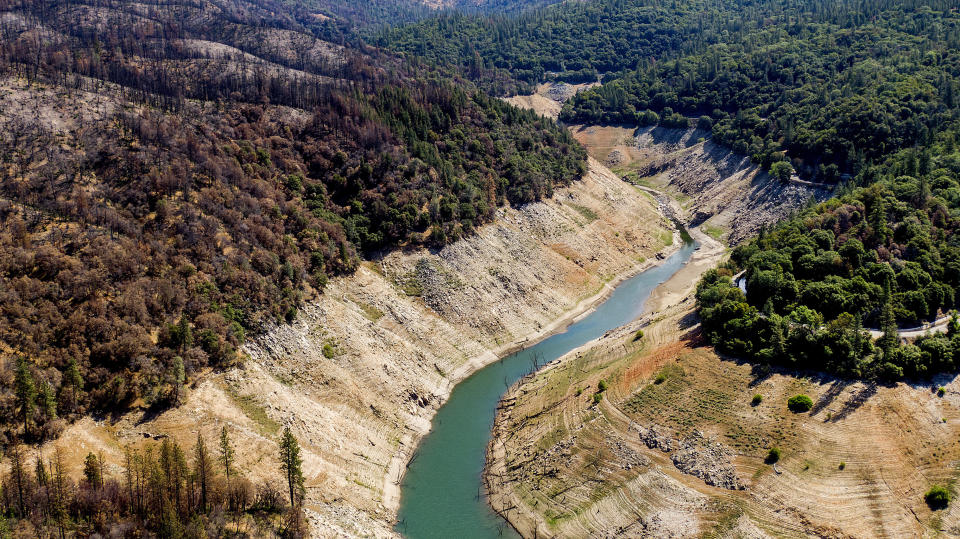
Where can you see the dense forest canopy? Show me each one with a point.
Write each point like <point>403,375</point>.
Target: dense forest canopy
<point>827,98</point>
<point>879,256</point>
<point>343,19</point>
<point>174,178</point>
<point>580,41</point>
<point>824,86</point>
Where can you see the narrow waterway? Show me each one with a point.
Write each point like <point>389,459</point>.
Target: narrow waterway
<point>442,494</point>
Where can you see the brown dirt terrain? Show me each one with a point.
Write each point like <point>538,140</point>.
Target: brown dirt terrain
<point>725,194</point>
<point>569,468</point>
<point>722,192</point>
<point>549,98</point>
<point>360,373</point>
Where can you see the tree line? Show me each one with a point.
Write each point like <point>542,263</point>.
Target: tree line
<point>583,41</point>
<point>160,490</point>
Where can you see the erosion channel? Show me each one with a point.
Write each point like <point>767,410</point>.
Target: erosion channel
<point>441,491</point>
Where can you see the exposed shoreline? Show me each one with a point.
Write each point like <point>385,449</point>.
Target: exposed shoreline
<point>398,463</point>
<point>668,294</point>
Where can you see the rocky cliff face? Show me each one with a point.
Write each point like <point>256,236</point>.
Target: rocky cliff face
<point>718,187</point>
<point>361,371</point>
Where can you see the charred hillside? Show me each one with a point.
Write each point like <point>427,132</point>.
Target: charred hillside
<point>175,174</point>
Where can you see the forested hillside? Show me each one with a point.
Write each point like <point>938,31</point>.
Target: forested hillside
<point>877,256</point>
<point>862,92</point>
<point>581,41</point>
<point>826,97</point>
<point>375,14</point>
<point>176,176</point>
<point>828,87</point>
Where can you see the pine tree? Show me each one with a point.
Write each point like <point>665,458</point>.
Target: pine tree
<point>91,470</point>
<point>177,379</point>
<point>58,502</point>
<point>778,339</point>
<point>203,469</point>
<point>41,471</point>
<point>888,324</point>
<point>180,473</point>
<point>129,461</point>
<point>26,392</point>
<point>43,483</point>
<point>47,402</point>
<point>226,452</point>
<point>292,465</point>
<point>19,479</point>
<point>184,336</point>
<point>74,380</point>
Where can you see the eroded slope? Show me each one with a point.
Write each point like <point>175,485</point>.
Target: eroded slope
<point>675,447</point>
<point>720,190</point>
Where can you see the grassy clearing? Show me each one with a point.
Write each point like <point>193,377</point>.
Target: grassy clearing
<point>586,212</point>
<point>666,237</point>
<point>370,312</point>
<point>258,414</point>
<point>714,232</point>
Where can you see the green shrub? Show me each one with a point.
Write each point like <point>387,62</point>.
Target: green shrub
<point>842,465</point>
<point>773,455</point>
<point>757,399</point>
<point>638,335</point>
<point>937,497</point>
<point>602,386</point>
<point>941,391</point>
<point>661,378</point>
<point>597,397</point>
<point>799,404</point>
<point>328,351</point>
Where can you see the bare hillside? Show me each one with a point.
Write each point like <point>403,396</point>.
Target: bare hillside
<point>675,448</point>
<point>720,190</point>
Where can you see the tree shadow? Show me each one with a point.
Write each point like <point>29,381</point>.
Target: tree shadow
<point>761,373</point>
<point>674,135</point>
<point>689,320</point>
<point>856,400</point>
<point>830,395</point>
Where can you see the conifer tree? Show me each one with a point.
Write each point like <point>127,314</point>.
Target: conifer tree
<point>292,466</point>
<point>19,479</point>
<point>26,392</point>
<point>177,379</point>
<point>91,470</point>
<point>47,402</point>
<point>226,452</point>
<point>203,469</point>
<point>888,324</point>
<point>73,380</point>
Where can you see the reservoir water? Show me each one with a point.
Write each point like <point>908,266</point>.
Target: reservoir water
<point>441,493</point>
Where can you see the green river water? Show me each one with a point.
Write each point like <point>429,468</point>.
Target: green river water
<point>441,493</point>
